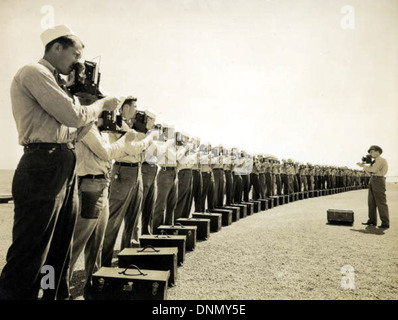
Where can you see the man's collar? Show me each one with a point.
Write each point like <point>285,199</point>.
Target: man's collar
<point>49,66</point>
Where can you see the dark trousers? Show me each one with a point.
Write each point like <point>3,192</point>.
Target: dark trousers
<point>182,209</point>
<point>255,182</point>
<point>310,182</point>
<point>285,183</point>
<point>290,180</point>
<point>270,184</point>
<point>377,199</point>
<point>148,197</point>
<point>329,182</point>
<point>297,183</point>
<point>207,192</point>
<point>278,182</point>
<point>263,186</point>
<point>304,182</point>
<point>197,185</point>
<point>237,188</point>
<point>316,183</point>
<point>219,187</point>
<point>228,187</point>
<point>124,204</point>
<point>166,199</point>
<point>90,227</point>
<point>246,186</point>
<point>45,197</point>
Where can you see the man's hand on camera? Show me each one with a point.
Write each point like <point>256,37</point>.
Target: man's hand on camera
<point>110,103</point>
<point>130,135</point>
<point>154,135</point>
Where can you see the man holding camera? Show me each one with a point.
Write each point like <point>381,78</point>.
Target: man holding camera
<point>207,178</point>
<point>44,185</point>
<point>217,161</point>
<point>94,162</point>
<point>245,174</point>
<point>377,188</point>
<point>125,189</point>
<point>149,172</point>
<point>167,185</point>
<point>184,167</point>
<point>237,164</point>
<point>197,182</point>
<point>255,178</point>
<point>227,160</point>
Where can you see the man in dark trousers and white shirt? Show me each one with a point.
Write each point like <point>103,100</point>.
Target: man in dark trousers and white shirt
<point>125,192</point>
<point>94,163</point>
<point>44,186</point>
<point>167,181</point>
<point>377,188</point>
<point>149,172</point>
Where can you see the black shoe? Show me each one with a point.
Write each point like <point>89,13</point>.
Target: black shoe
<point>368,223</point>
<point>383,227</point>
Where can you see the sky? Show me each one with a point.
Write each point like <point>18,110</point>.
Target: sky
<point>308,80</point>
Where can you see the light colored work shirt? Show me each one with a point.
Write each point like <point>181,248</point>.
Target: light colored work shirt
<point>187,161</point>
<point>134,149</point>
<point>378,168</point>
<point>94,153</point>
<point>43,111</point>
<point>217,162</point>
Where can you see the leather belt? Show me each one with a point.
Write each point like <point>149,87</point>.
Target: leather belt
<point>48,146</point>
<point>126,164</point>
<point>93,176</point>
<point>148,164</point>
<point>168,168</point>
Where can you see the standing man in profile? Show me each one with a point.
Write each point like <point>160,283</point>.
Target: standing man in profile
<point>44,185</point>
<point>377,188</point>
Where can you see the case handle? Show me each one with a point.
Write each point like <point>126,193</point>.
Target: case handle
<point>130,267</point>
<point>148,247</point>
<point>162,233</point>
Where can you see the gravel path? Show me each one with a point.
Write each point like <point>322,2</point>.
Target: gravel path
<point>288,252</point>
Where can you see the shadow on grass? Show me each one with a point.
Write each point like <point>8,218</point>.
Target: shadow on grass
<point>339,224</point>
<point>370,230</point>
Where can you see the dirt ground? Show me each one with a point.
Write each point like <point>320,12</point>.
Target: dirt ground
<point>288,252</point>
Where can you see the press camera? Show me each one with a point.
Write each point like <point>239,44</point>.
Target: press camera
<point>141,120</point>
<point>85,78</point>
<point>367,159</point>
<point>112,120</point>
<point>181,139</point>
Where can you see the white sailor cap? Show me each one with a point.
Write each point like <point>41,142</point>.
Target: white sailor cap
<point>58,31</point>
<point>150,113</point>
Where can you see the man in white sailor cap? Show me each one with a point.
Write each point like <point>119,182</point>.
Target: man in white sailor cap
<point>48,119</point>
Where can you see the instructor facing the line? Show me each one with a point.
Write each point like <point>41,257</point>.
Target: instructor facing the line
<point>377,188</point>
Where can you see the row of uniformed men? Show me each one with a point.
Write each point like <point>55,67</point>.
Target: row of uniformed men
<point>270,177</point>
<point>152,182</point>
